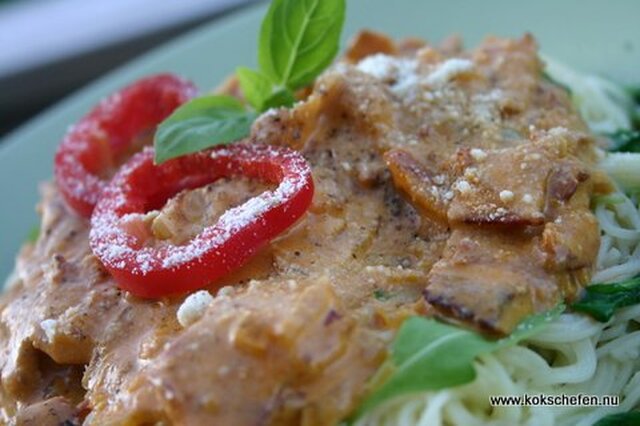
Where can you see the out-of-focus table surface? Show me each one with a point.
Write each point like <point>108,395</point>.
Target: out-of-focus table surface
<point>51,47</point>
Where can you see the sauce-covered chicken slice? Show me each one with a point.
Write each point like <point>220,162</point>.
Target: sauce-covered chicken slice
<point>460,177</point>
<point>523,236</point>
<point>511,182</point>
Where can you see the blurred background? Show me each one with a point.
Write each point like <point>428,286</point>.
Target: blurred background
<point>49,48</point>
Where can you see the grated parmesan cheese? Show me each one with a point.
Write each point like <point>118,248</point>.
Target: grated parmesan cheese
<point>226,291</point>
<point>478,154</point>
<point>448,70</point>
<point>506,196</point>
<point>193,307</point>
<point>50,327</point>
<point>463,187</point>
<point>558,131</point>
<point>384,67</point>
<point>379,65</point>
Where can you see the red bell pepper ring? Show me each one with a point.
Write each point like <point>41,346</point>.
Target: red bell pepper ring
<point>93,147</point>
<point>140,186</point>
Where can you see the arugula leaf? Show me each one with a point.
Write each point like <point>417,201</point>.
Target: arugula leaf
<point>601,300</point>
<point>430,355</point>
<point>634,91</point>
<point>202,123</point>
<point>625,140</point>
<point>632,418</point>
<point>299,38</point>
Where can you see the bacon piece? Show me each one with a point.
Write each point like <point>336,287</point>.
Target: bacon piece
<point>367,43</point>
<point>424,188</point>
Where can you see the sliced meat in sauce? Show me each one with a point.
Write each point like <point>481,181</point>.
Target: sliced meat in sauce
<point>295,335</point>
<point>523,237</point>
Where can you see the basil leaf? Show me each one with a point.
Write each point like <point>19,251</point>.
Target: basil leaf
<point>429,355</point>
<point>255,86</point>
<point>298,39</point>
<point>280,98</point>
<point>632,418</point>
<point>260,91</point>
<point>202,123</point>
<point>625,140</point>
<point>601,300</point>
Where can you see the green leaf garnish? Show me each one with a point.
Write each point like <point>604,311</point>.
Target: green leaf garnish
<point>602,300</point>
<point>625,141</point>
<point>299,38</point>
<point>279,98</point>
<point>430,355</point>
<point>632,418</point>
<point>634,91</point>
<point>202,123</point>
<point>256,86</point>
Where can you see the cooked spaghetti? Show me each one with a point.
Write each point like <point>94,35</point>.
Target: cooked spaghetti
<point>575,354</point>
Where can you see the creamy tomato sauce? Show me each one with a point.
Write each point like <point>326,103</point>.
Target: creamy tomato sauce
<point>448,183</point>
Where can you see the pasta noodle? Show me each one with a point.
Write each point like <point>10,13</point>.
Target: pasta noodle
<point>573,355</point>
